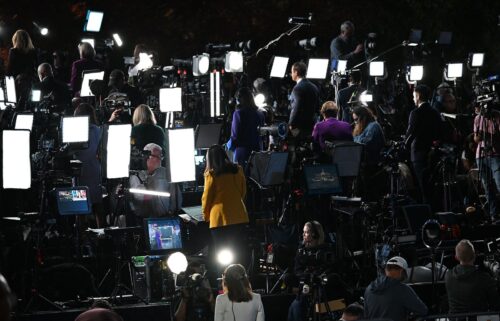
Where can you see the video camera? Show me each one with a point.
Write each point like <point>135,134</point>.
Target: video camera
<point>393,155</point>
<point>138,159</point>
<point>487,93</point>
<point>117,100</point>
<point>316,258</point>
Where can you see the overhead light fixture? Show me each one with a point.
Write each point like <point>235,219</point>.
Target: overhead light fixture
<point>476,60</point>
<point>225,257</point>
<point>366,97</point>
<point>75,129</point>
<point>181,153</point>
<point>24,121</point>
<point>215,94</point>
<point>177,263</point>
<point>377,68</point>
<point>93,21</point>
<point>10,86</point>
<point>416,73</point>
<point>170,99</point>
<point>317,68</point>
<point>234,61</point>
<point>143,191</point>
<point>341,66</point>
<point>36,95</point>
<point>454,70</point>
<point>91,41</point>
<point>89,76</point>
<point>118,39</point>
<point>201,64</point>
<point>279,67</point>
<point>118,148</point>
<point>16,159</point>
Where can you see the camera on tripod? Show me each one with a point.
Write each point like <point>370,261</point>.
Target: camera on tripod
<point>316,258</point>
<point>138,159</point>
<point>487,94</point>
<point>393,155</point>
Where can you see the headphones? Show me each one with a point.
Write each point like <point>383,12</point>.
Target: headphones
<point>314,229</point>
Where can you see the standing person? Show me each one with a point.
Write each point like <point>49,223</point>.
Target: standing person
<point>330,128</point>
<point>388,298</point>
<point>304,101</point>
<point>86,62</point>
<point>54,88</point>
<point>247,119</point>
<point>238,302</point>
<point>345,46</point>
<point>348,95</point>
<point>223,201</point>
<point>145,130</point>
<point>22,56</point>
<point>423,130</point>
<point>91,167</point>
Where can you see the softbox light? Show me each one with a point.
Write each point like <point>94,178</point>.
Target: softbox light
<point>201,64</point>
<point>416,73</point>
<point>181,155</point>
<point>87,78</point>
<point>278,69</point>
<point>342,66</point>
<point>317,68</point>
<point>75,129</point>
<point>454,70</point>
<point>16,159</point>
<point>36,95</point>
<point>10,86</point>
<point>170,99</point>
<point>118,150</point>
<point>93,21</point>
<point>476,60</point>
<point>377,68</point>
<point>90,41</point>
<point>24,121</point>
<point>234,61</point>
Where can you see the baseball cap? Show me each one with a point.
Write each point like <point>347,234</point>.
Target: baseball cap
<point>398,261</point>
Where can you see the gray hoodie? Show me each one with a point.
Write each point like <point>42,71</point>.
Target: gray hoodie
<point>388,298</point>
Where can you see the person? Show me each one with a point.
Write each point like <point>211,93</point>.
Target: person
<point>22,58</point>
<point>117,84</point>
<point>330,129</point>
<point>487,136</point>
<point>154,178</point>
<point>345,46</point>
<point>388,298</point>
<point>6,300</point>
<point>86,62</point>
<point>145,130</point>
<point>247,119</point>
<point>367,131</point>
<point>91,167</point>
<point>423,130</point>
<point>446,103</point>
<point>238,302</point>
<point>348,95</point>
<point>468,288</point>
<point>353,312</point>
<point>53,88</point>
<point>223,201</point>
<point>60,66</point>
<point>304,101</point>
<point>99,313</point>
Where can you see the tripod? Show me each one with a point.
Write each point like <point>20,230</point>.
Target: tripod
<point>318,303</point>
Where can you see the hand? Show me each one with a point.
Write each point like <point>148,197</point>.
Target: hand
<point>359,48</point>
<point>115,115</point>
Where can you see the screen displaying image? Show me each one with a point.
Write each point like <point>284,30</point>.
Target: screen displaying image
<point>164,234</point>
<point>73,201</point>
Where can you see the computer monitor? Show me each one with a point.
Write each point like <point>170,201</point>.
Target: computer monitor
<point>207,135</point>
<point>73,200</point>
<point>322,179</point>
<point>163,234</point>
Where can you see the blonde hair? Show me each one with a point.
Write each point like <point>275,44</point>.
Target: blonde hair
<point>143,115</point>
<point>21,40</point>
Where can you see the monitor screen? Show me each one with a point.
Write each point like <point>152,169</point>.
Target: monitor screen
<point>73,200</point>
<point>87,78</point>
<point>163,234</point>
<point>207,135</point>
<point>322,179</point>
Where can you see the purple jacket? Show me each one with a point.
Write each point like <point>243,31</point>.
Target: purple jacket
<point>76,72</point>
<point>331,129</point>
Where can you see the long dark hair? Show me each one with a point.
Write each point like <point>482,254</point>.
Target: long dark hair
<point>85,109</point>
<point>218,162</point>
<point>245,98</point>
<point>238,286</point>
<point>365,117</point>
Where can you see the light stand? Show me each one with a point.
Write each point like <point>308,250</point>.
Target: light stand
<point>431,237</point>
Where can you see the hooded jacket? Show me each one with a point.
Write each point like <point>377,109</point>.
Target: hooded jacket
<point>471,290</point>
<point>388,298</point>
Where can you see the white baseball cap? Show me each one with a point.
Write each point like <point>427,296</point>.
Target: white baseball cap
<point>398,261</point>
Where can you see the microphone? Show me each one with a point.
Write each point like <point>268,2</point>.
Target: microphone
<point>300,20</point>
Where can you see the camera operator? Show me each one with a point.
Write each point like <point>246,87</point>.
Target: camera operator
<point>346,46</point>
<point>117,84</point>
<point>487,136</point>
<point>349,94</point>
<point>155,178</point>
<point>468,288</point>
<point>55,89</point>
<point>197,299</point>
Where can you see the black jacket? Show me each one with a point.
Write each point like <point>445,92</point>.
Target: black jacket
<point>304,102</point>
<point>58,92</point>
<point>423,129</point>
<point>471,290</point>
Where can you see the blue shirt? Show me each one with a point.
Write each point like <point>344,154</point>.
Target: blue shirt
<point>373,139</point>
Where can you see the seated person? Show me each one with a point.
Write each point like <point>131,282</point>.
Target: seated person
<point>155,179</point>
<point>330,129</point>
<point>353,312</point>
<point>368,131</point>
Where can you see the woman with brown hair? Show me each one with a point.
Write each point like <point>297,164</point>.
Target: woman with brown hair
<point>367,131</point>
<point>238,302</point>
<point>22,56</point>
<point>145,130</point>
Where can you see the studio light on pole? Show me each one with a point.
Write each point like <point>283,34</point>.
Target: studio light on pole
<point>118,39</point>
<point>91,41</point>
<point>415,73</point>
<point>454,70</point>
<point>177,263</point>
<point>225,257</point>
<point>10,86</point>
<point>75,129</point>
<point>215,94</point>
<point>415,37</point>
<point>342,67</point>
<point>366,97</point>
<point>279,67</point>
<point>181,155</point>
<point>234,61</point>
<point>201,64</point>
<point>24,121</point>
<point>118,150</point>
<point>377,68</point>
<point>36,95</point>
<point>16,159</point>
<point>44,31</point>
<point>170,99</point>
<point>476,60</point>
<point>317,68</point>
<point>260,100</point>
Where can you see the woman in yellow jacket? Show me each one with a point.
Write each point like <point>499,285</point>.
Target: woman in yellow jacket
<point>223,201</point>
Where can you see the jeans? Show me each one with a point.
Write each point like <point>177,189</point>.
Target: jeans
<point>489,170</point>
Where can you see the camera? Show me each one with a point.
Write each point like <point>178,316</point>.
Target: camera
<point>487,93</point>
<point>317,258</point>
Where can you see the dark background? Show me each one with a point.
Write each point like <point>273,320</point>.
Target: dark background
<point>179,29</point>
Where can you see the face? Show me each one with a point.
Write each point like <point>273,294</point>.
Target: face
<point>416,98</point>
<point>153,162</point>
<point>355,118</point>
<point>449,104</point>
<point>294,75</point>
<point>307,236</point>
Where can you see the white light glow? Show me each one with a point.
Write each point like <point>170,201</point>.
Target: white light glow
<point>234,61</point>
<point>278,70</point>
<point>170,99</point>
<point>377,68</point>
<point>16,159</point>
<point>118,39</point>
<point>341,66</point>
<point>317,68</point>
<point>94,21</point>
<point>416,73</point>
<point>10,84</point>
<point>217,94</point>
<point>75,129</point>
<point>365,97</point>
<point>225,257</point>
<point>201,64</point>
<point>477,60</point>
<point>260,100</point>
<point>24,121</point>
<point>118,151</point>
<point>91,41</point>
<point>148,192</point>
<point>177,262</point>
<point>212,95</point>
<point>181,155</point>
<point>44,31</point>
<point>36,95</point>
<point>145,61</point>
<point>87,77</point>
<point>455,70</point>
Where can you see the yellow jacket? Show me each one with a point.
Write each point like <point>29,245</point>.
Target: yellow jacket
<point>222,202</point>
